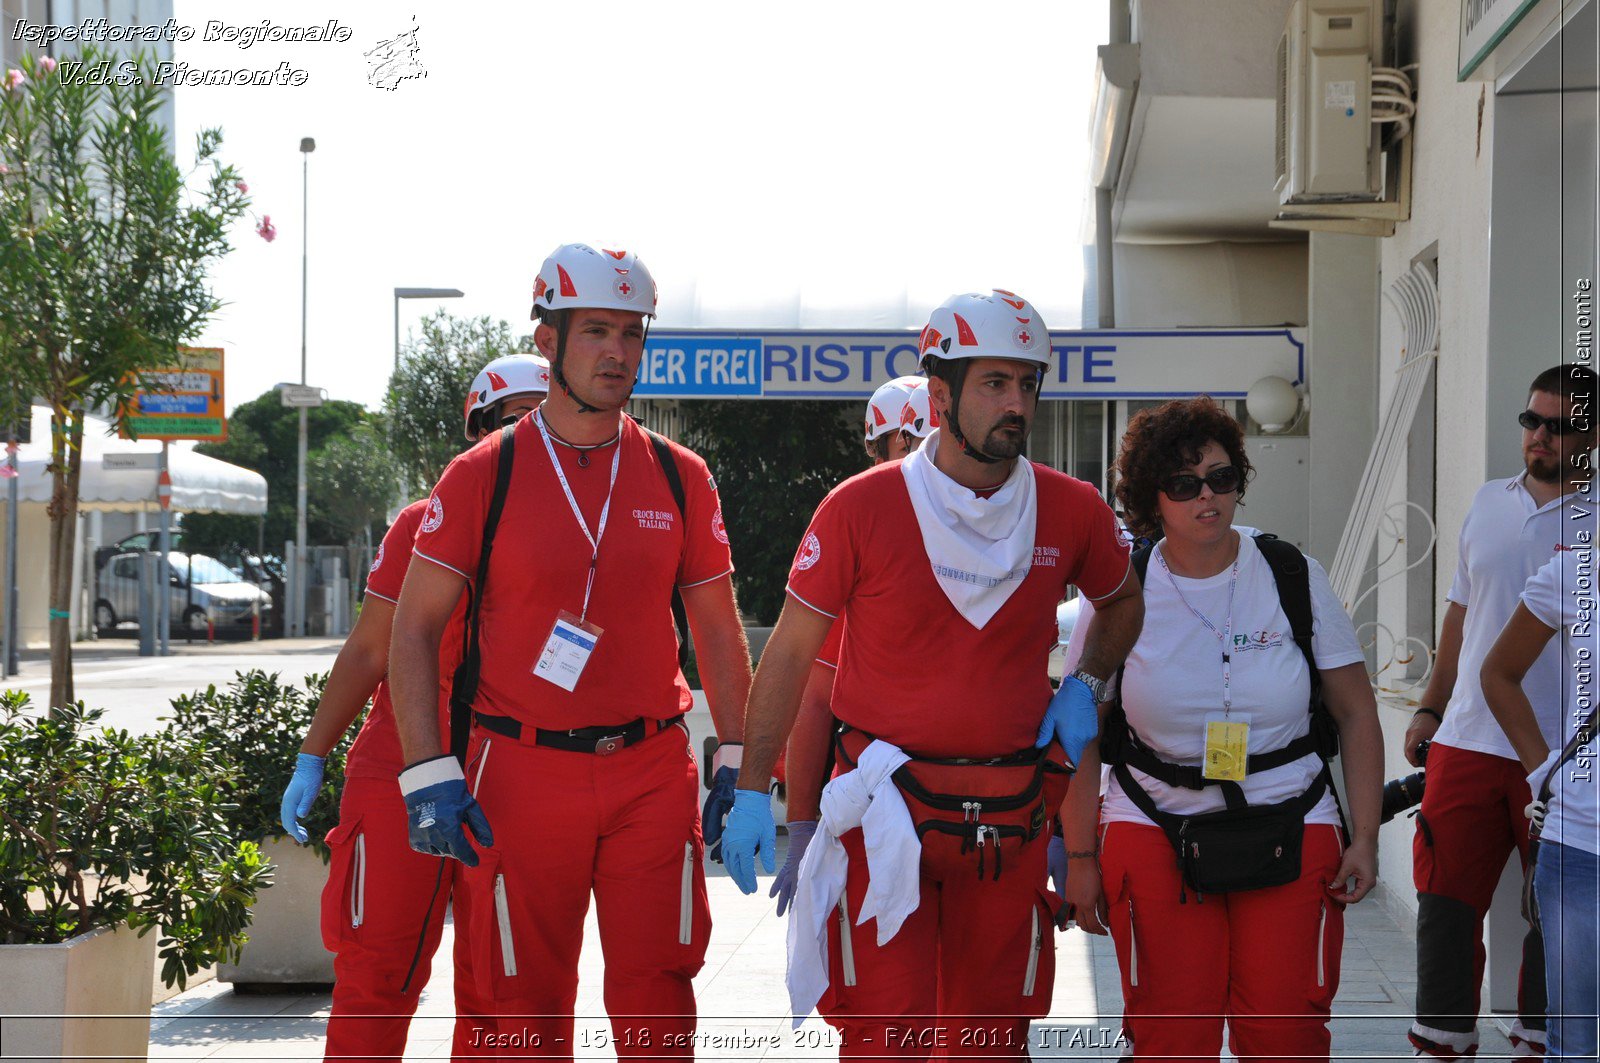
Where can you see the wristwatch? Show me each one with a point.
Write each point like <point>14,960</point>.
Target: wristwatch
<point>1096,685</point>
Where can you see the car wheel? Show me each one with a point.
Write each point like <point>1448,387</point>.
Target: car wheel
<point>195,620</point>
<point>105,617</point>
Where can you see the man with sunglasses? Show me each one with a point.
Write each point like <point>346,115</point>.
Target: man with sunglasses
<point>1472,809</point>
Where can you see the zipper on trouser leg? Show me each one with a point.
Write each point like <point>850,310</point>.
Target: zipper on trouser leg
<point>686,896</point>
<point>1034,944</point>
<point>358,883</point>
<point>1322,935</point>
<point>1133,948</point>
<point>502,915</point>
<point>847,951</point>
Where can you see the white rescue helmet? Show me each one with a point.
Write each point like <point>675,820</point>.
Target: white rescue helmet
<point>577,275</point>
<point>506,377</point>
<point>919,417</point>
<point>1001,324</point>
<point>888,403</point>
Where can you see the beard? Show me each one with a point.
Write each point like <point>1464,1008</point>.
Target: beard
<point>1004,446</point>
<point>1544,470</point>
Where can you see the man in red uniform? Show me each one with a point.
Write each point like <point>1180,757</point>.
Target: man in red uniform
<point>383,906</point>
<point>979,546</point>
<point>899,417</point>
<point>577,755</point>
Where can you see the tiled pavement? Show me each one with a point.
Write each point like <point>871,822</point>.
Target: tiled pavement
<point>742,997</point>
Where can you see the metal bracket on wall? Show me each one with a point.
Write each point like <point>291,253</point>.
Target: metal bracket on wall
<point>1360,219</point>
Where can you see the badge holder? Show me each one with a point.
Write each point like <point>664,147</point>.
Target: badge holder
<point>567,651</point>
<point>1227,747</point>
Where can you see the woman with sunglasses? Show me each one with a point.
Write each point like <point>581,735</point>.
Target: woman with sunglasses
<point>1215,682</point>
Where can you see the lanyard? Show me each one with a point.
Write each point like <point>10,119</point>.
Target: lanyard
<point>1224,637</point>
<point>605,511</point>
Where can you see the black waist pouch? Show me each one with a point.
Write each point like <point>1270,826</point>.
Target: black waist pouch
<point>1249,847</point>
<point>1245,849</point>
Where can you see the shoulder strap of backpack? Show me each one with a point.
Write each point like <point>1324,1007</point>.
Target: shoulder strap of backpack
<point>669,467</point>
<point>1293,578</point>
<point>464,685</point>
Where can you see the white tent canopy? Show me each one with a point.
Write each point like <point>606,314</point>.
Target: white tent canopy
<point>120,474</point>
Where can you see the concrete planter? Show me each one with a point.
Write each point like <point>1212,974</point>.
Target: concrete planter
<point>87,998</point>
<point>285,952</point>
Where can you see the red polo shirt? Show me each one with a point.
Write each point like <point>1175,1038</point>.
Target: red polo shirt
<point>914,671</point>
<point>541,561</point>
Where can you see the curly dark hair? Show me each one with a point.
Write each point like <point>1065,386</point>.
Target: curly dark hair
<point>1161,441</point>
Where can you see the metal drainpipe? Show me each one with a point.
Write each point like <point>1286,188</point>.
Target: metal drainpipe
<point>1118,32</point>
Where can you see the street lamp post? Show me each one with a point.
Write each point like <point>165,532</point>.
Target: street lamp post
<point>297,607</point>
<point>417,293</point>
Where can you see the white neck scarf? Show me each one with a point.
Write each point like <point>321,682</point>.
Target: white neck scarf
<point>981,549</point>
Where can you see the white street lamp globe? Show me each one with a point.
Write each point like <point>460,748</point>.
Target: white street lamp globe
<point>1272,403</point>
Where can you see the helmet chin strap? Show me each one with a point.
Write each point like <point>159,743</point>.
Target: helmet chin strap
<point>560,376</point>
<point>955,420</point>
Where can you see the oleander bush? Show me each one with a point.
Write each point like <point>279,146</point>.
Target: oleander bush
<point>256,723</point>
<point>99,827</point>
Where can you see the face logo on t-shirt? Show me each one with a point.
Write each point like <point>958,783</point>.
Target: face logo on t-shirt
<point>719,529</point>
<point>1257,640</point>
<point>376,561</point>
<point>810,552</point>
<point>434,515</point>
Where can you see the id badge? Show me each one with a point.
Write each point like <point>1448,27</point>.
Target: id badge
<point>1227,747</point>
<point>566,652</point>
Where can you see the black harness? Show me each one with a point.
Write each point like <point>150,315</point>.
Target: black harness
<point>1122,748</point>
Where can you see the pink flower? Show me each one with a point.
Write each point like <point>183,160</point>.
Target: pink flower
<point>13,79</point>
<point>241,186</point>
<point>48,64</point>
<point>266,230</point>
<point>4,169</point>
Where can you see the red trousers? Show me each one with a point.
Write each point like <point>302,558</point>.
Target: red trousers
<point>965,972</point>
<point>1264,961</point>
<point>624,827</point>
<point>1473,817</point>
<point>382,916</point>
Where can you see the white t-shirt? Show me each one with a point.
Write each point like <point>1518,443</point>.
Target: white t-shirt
<point>1562,595</point>
<point>1173,680</point>
<point>1505,539</point>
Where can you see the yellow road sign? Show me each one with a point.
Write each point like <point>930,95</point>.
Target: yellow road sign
<point>182,401</point>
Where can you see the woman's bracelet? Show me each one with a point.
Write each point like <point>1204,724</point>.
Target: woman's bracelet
<point>1082,854</point>
<point>1431,712</point>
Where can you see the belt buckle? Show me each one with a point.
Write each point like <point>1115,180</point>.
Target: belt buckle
<point>604,747</point>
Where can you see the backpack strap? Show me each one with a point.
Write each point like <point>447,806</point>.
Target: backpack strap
<point>464,685</point>
<point>669,468</point>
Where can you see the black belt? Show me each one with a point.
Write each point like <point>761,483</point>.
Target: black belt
<point>601,741</point>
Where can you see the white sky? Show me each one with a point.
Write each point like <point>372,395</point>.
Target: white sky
<point>820,165</point>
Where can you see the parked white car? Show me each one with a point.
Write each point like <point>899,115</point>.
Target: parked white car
<point>205,594</point>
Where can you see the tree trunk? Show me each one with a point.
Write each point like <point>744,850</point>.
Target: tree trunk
<point>66,471</point>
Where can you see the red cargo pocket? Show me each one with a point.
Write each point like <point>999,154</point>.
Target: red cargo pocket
<point>1041,926</point>
<point>345,895</point>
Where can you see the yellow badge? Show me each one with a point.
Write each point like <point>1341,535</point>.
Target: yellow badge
<point>1227,749</point>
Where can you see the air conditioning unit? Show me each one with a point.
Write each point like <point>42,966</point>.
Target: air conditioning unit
<point>1328,147</point>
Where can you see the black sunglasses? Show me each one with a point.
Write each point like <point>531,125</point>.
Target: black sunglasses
<point>1186,485</point>
<point>1556,426</point>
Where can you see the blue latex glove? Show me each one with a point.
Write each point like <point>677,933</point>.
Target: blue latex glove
<point>298,795</point>
<point>750,830</point>
<point>1056,858</point>
<point>1072,719</point>
<point>440,811</point>
<point>719,800</point>
<point>800,832</point>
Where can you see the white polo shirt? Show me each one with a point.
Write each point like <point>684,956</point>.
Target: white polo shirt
<point>1562,595</point>
<point>1506,538</point>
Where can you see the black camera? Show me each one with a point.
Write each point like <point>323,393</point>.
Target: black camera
<point>1406,792</point>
